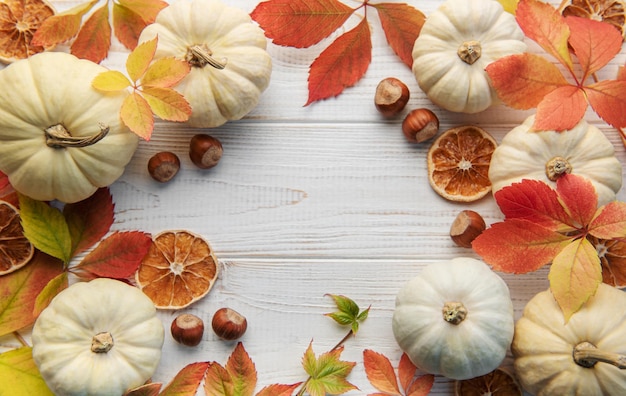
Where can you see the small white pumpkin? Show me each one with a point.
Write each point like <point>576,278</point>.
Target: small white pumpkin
<point>230,67</point>
<point>579,357</point>
<point>59,137</point>
<point>455,319</point>
<point>97,338</point>
<point>545,155</point>
<point>457,42</point>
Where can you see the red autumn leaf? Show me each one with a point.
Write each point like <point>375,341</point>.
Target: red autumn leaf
<point>150,389</point>
<point>578,197</point>
<point>187,381</point>
<point>621,73</point>
<point>543,24</point>
<point>342,64</point>
<point>279,390</point>
<point>406,371</point>
<point>401,24</point>
<point>63,26</point>
<point>19,291</point>
<point>300,23</point>
<point>242,371</point>
<point>519,246</point>
<point>7,193</point>
<point>94,38</point>
<point>608,99</point>
<point>117,256</point>
<point>561,109</point>
<point>534,201</point>
<point>380,372</point>
<point>610,221</point>
<point>595,43</point>
<point>89,220</point>
<point>522,80</point>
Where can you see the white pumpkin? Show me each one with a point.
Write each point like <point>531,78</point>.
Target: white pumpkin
<point>230,67</point>
<point>455,319</point>
<point>457,42</point>
<point>59,137</point>
<point>583,150</point>
<point>97,338</point>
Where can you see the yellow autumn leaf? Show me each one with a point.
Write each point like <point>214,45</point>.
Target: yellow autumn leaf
<point>165,72</point>
<point>19,374</point>
<point>167,104</point>
<point>139,60</point>
<point>509,5</point>
<point>574,276</point>
<point>111,80</point>
<point>137,115</point>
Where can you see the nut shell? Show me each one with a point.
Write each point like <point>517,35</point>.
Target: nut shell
<point>229,324</point>
<point>205,151</point>
<point>467,225</point>
<point>187,329</point>
<point>420,125</point>
<point>391,96</point>
<point>163,166</point>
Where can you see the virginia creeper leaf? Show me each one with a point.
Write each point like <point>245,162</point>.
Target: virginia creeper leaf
<point>130,17</point>
<point>167,103</point>
<point>242,371</point>
<point>110,81</point>
<point>217,381</point>
<point>575,275</point>
<point>349,313</point>
<point>509,5</point>
<point>165,73</point>
<point>20,289</point>
<point>421,386</point>
<point>300,23</point>
<point>151,389</point>
<point>535,201</point>
<point>621,73</point>
<point>94,38</point>
<point>595,43</point>
<point>46,228</point>
<point>187,380</point>
<point>327,373</point>
<point>341,64</point>
<point>380,372</point>
<point>522,80</point>
<point>137,115</point>
<point>610,221</point>
<point>542,23</point>
<point>561,109</point>
<point>139,59</point>
<point>401,24</point>
<point>89,220</point>
<point>19,374</point>
<point>62,26</point>
<point>279,390</point>
<point>117,256</point>
<point>579,198</point>
<point>406,371</point>
<point>54,287</point>
<point>608,99</point>
<point>518,246</point>
<point>148,9</point>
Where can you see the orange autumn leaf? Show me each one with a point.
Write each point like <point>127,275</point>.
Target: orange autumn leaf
<point>564,107</point>
<point>130,17</point>
<point>402,25</point>
<point>187,380</point>
<point>609,222</point>
<point>62,26</point>
<point>167,104</point>
<point>94,38</point>
<point>380,372</point>
<point>342,64</point>
<point>279,390</point>
<point>137,115</point>
<point>237,377</point>
<point>149,389</point>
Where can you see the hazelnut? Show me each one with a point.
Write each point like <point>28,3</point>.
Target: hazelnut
<point>163,166</point>
<point>187,329</point>
<point>466,227</point>
<point>420,125</point>
<point>205,151</point>
<point>391,97</point>
<point>229,324</point>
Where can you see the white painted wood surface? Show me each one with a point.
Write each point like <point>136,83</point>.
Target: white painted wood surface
<point>328,198</point>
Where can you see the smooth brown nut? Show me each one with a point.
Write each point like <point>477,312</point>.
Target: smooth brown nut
<point>187,329</point>
<point>163,166</point>
<point>466,227</point>
<point>420,125</point>
<point>205,151</point>
<point>229,324</point>
<point>391,96</point>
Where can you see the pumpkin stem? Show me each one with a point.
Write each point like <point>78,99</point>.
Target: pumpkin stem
<point>587,355</point>
<point>557,167</point>
<point>454,312</point>
<point>102,342</point>
<point>469,51</point>
<point>201,55</point>
<point>57,136</point>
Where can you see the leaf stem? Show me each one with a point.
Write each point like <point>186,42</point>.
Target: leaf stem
<point>20,339</point>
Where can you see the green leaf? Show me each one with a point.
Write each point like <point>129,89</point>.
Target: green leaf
<point>349,313</point>
<point>19,374</point>
<point>327,373</point>
<point>46,228</point>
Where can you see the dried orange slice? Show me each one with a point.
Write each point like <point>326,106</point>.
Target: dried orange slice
<point>178,270</point>
<point>19,20</point>
<point>15,250</point>
<point>495,383</point>
<point>458,163</point>
<point>609,11</point>
<point>612,255</point>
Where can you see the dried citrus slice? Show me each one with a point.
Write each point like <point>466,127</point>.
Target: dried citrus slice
<point>179,269</point>
<point>19,20</point>
<point>612,255</point>
<point>609,11</point>
<point>15,250</point>
<point>458,163</point>
<point>495,383</point>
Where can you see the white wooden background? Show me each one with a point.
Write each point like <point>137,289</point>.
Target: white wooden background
<point>328,198</point>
